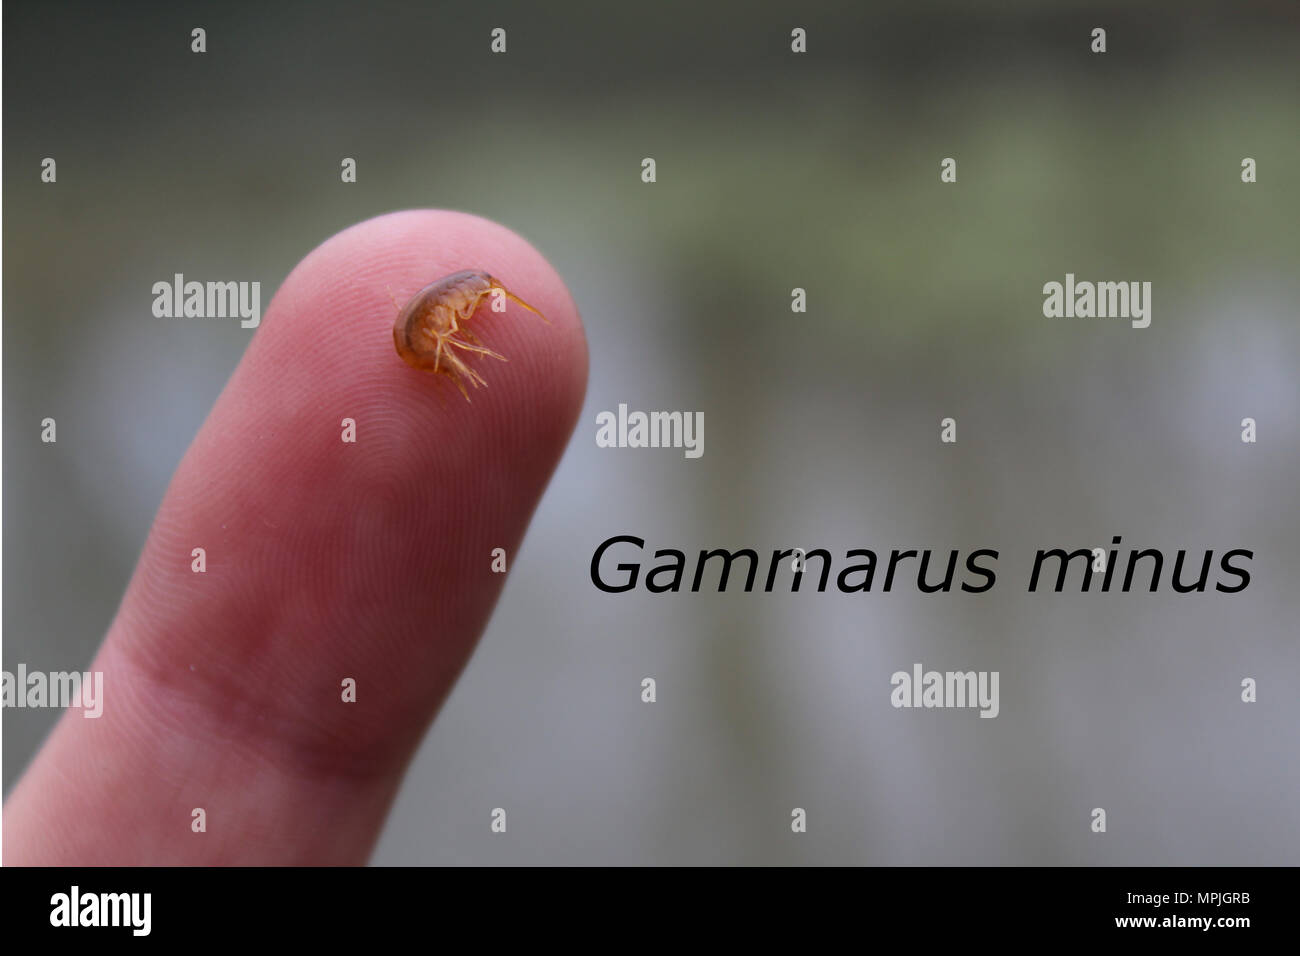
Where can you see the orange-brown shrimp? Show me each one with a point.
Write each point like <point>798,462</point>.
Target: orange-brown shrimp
<point>427,327</point>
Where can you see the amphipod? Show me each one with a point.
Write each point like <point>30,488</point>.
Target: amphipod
<point>431,331</point>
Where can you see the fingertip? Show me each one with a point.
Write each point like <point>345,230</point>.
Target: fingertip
<point>336,309</point>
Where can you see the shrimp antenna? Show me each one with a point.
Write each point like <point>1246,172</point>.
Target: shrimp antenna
<point>510,295</point>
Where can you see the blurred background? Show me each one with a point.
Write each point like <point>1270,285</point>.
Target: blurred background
<point>775,171</point>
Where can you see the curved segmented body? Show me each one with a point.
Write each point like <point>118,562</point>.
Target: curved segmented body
<point>427,328</point>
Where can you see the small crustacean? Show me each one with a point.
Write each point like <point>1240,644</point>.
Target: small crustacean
<point>427,328</point>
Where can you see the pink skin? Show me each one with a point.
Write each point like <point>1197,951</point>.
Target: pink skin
<point>325,560</point>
